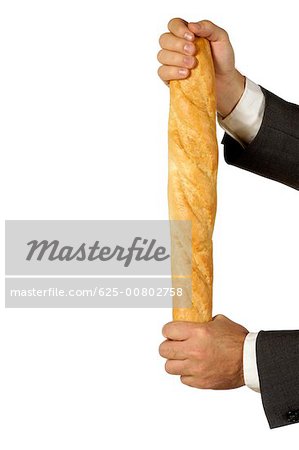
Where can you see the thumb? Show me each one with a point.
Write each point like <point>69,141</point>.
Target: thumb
<point>207,29</point>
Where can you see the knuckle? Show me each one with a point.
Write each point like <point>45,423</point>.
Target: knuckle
<point>183,379</point>
<point>168,367</point>
<point>174,20</point>
<point>203,332</point>
<point>169,326</point>
<point>159,55</point>
<point>163,76</point>
<point>186,380</point>
<point>194,352</point>
<point>206,23</point>
<point>224,32</point>
<point>161,347</point>
<point>223,35</point>
<point>171,22</point>
<point>159,71</point>
<point>162,39</point>
<point>165,327</point>
<point>220,317</point>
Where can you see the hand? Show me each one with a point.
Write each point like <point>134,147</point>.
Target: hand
<point>177,59</point>
<point>206,356</point>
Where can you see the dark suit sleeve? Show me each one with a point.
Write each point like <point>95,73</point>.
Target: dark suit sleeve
<point>274,152</point>
<point>278,369</point>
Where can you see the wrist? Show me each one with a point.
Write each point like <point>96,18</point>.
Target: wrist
<point>229,90</point>
<point>241,373</point>
<point>240,378</point>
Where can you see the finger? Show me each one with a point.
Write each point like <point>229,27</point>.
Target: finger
<point>179,28</point>
<point>188,380</point>
<point>167,73</point>
<point>172,350</point>
<point>170,42</point>
<point>175,367</point>
<point>178,331</point>
<point>169,58</point>
<point>207,29</point>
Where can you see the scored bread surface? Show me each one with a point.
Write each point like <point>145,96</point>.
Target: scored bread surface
<point>192,176</point>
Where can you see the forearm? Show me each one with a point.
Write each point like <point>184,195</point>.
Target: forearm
<point>231,88</point>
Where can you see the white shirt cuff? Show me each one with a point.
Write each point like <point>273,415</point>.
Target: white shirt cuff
<point>244,122</point>
<point>249,362</point>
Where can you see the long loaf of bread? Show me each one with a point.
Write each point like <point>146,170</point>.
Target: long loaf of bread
<point>192,177</point>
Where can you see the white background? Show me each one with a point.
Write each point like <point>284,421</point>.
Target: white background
<point>84,136</point>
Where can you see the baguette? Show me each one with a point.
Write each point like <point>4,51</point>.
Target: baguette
<point>192,174</point>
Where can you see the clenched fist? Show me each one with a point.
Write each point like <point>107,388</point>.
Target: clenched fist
<point>177,56</point>
<point>207,355</point>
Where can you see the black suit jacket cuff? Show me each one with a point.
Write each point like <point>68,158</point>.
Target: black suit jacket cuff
<point>278,369</point>
<point>274,152</point>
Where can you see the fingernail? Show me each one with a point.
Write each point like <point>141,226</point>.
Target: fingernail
<point>188,36</point>
<point>188,48</point>
<point>188,61</point>
<point>183,71</point>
